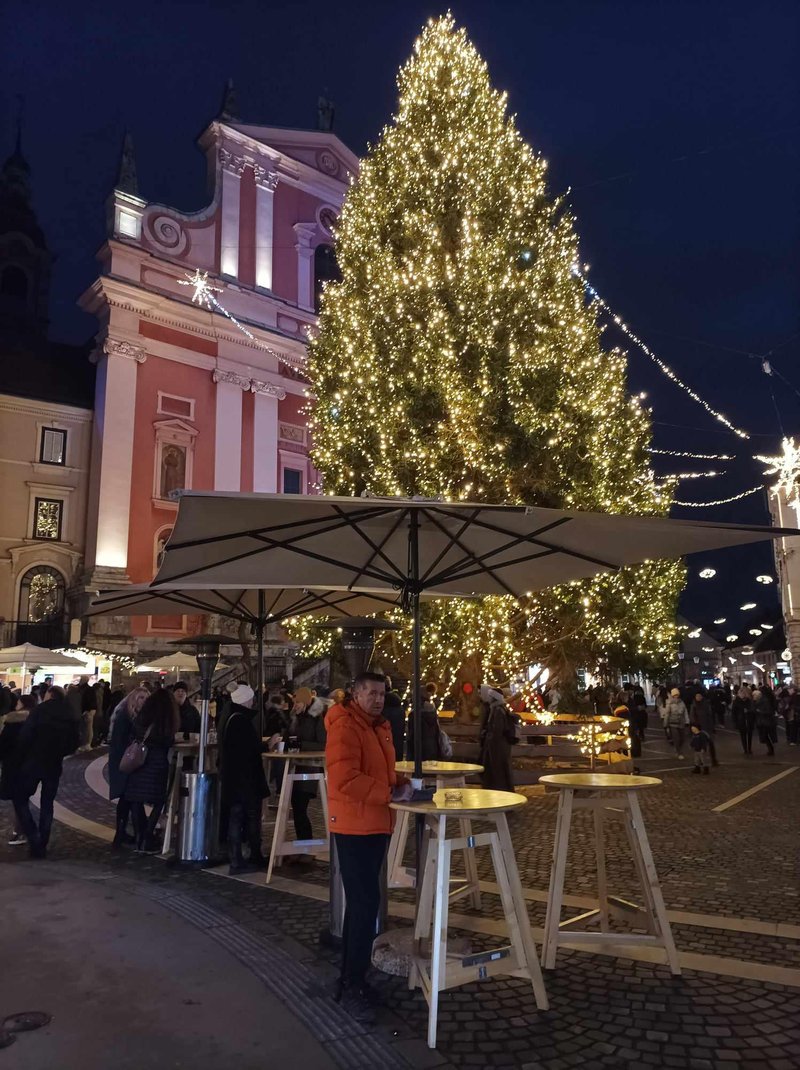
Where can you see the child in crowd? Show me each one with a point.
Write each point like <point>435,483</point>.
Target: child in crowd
<point>701,745</point>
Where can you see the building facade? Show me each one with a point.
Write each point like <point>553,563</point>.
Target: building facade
<point>184,398</point>
<point>46,394</point>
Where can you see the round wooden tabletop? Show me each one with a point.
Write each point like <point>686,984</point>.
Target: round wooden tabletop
<point>439,769</point>
<point>316,755</point>
<point>600,781</point>
<point>472,803</point>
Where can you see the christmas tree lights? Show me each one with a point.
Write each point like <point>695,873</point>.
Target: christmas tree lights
<point>458,357</point>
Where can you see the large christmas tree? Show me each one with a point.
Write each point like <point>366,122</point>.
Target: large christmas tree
<point>458,356</point>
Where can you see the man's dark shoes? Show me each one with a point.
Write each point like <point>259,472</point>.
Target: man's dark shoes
<point>356,1002</point>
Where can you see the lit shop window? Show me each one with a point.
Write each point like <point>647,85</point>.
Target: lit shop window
<point>47,518</point>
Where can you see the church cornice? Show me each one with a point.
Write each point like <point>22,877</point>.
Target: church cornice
<point>115,293</point>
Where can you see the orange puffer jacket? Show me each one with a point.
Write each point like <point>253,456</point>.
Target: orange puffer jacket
<point>360,760</point>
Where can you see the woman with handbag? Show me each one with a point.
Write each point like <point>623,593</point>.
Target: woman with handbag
<point>146,762</point>
<point>120,737</point>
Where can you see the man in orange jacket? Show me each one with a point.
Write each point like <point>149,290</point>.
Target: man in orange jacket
<point>362,782</point>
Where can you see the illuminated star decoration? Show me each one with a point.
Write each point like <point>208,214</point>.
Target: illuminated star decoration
<point>720,620</point>
<point>731,638</point>
<point>786,469</point>
<point>748,605</point>
<point>764,579</point>
<point>707,573</point>
<point>203,289</point>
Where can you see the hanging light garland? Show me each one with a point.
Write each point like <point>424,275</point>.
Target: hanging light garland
<point>786,467</point>
<point>204,296</point>
<point>720,501</point>
<point>693,456</point>
<point>670,374</point>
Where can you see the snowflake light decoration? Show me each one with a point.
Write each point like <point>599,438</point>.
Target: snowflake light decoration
<point>786,469</point>
<point>707,573</point>
<point>764,579</point>
<point>203,290</point>
<point>748,605</point>
<point>720,620</point>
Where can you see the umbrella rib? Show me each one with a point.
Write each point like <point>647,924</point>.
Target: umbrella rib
<point>449,546</point>
<point>455,540</point>
<point>377,549</point>
<point>516,541</point>
<point>209,540</point>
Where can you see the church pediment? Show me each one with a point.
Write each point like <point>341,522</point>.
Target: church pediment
<point>321,150</point>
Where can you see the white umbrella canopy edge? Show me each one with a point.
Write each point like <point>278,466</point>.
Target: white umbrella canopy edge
<point>222,539</point>
<point>28,654</point>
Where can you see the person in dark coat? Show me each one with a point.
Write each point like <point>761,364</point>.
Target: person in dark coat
<point>744,718</point>
<point>431,739</point>
<point>49,734</point>
<point>120,736</point>
<point>395,714</point>
<point>702,714</point>
<point>188,713</point>
<point>155,725</point>
<point>497,736</point>
<point>242,780</point>
<point>766,721</point>
<point>308,726</point>
<point>10,754</point>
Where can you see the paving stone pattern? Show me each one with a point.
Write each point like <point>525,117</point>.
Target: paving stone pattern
<point>610,1013</point>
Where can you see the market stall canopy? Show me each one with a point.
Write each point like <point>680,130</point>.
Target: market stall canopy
<point>177,662</point>
<point>277,603</point>
<point>27,656</point>
<point>243,540</point>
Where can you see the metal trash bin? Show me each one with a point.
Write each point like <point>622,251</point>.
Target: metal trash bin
<point>198,818</point>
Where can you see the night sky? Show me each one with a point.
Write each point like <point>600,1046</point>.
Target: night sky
<point>676,126</point>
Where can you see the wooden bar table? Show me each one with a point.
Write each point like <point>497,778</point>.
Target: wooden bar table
<point>436,971</point>
<point>442,775</point>
<point>610,797</point>
<point>297,771</point>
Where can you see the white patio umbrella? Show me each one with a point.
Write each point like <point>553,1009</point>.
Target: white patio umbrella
<point>255,607</point>
<point>28,658</point>
<point>228,540</point>
<point>177,662</point>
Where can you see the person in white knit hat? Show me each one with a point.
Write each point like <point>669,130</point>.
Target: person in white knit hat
<point>243,783</point>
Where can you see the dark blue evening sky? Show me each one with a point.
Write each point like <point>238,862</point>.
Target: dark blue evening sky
<point>676,125</point>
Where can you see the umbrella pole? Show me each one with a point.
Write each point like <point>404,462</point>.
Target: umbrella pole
<point>260,656</point>
<point>416,687</point>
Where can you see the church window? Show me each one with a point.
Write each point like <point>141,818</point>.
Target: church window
<point>325,270</point>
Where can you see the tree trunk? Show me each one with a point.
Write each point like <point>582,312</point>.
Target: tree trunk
<point>469,675</point>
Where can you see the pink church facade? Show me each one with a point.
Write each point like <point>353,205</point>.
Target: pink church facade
<point>184,399</point>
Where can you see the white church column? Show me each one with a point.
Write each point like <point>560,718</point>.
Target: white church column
<point>266,183</point>
<point>228,439</point>
<point>265,436</point>
<point>110,503</point>
<point>232,168</point>
<point>305,258</point>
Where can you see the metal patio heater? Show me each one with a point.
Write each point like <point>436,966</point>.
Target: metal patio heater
<point>197,814</point>
<point>358,646</point>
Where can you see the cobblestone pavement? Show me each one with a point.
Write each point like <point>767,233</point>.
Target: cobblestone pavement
<point>738,869</point>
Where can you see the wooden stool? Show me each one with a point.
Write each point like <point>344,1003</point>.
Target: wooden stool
<point>295,774</point>
<point>438,971</point>
<point>609,796</point>
<point>443,775</point>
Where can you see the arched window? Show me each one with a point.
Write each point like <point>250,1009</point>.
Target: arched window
<point>14,283</point>
<point>325,270</point>
<point>41,595</point>
<point>41,608</point>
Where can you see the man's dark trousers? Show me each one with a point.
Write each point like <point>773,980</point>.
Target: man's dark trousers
<point>360,862</point>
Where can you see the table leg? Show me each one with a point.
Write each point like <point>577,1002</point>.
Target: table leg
<point>172,806</point>
<point>600,854</point>
<point>661,919</point>
<point>470,864</point>
<point>439,948</point>
<point>397,846</point>
<point>505,864</point>
<point>281,818</point>
<point>556,893</point>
